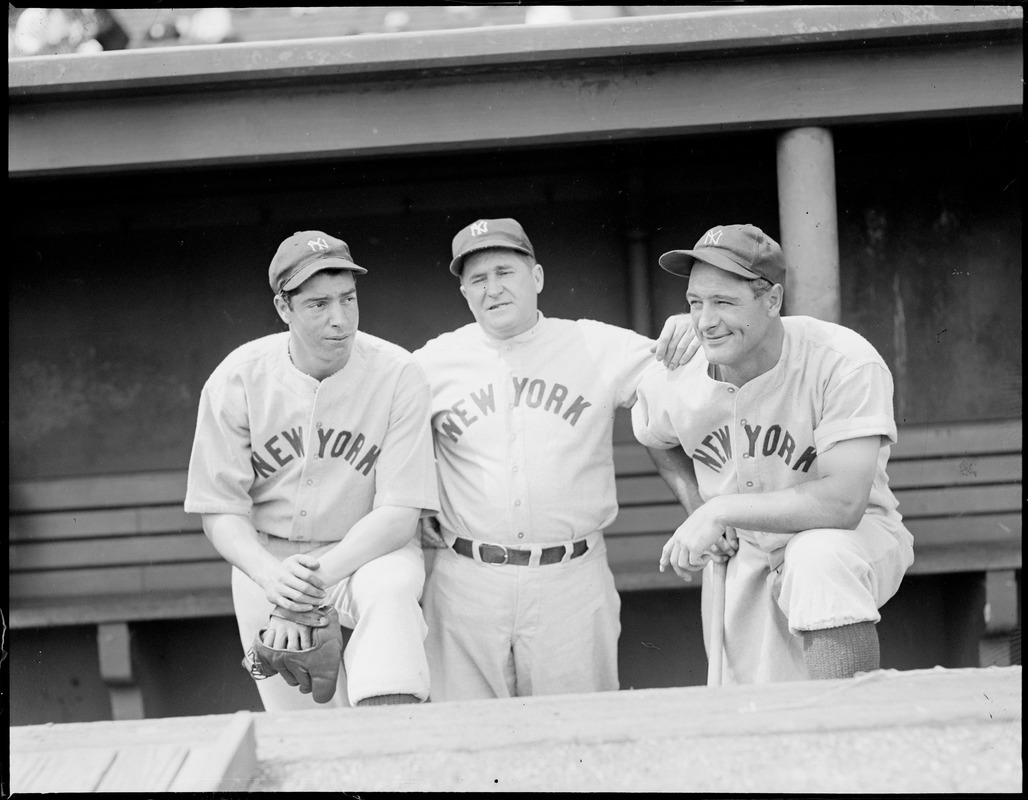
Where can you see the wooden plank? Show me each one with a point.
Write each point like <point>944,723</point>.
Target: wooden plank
<point>71,770</point>
<point>87,524</point>
<point>226,766</point>
<point>185,603</point>
<point>120,580</point>
<point>98,491</point>
<point>645,519</point>
<point>954,471</point>
<point>958,500</point>
<point>967,557</point>
<point>983,529</point>
<point>918,441</point>
<point>121,551</point>
<point>146,768</point>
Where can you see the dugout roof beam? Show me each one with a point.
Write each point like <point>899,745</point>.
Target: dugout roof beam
<point>411,93</point>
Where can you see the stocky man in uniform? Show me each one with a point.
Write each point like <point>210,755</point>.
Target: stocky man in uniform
<point>520,599</point>
<point>788,422</point>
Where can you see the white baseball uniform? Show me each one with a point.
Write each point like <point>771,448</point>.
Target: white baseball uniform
<point>828,386</point>
<point>305,460</point>
<point>523,437</point>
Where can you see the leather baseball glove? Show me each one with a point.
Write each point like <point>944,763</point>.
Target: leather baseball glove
<point>316,669</point>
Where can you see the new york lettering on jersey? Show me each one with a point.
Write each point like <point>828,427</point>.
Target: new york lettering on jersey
<point>549,397</point>
<point>281,449</point>
<point>715,450</point>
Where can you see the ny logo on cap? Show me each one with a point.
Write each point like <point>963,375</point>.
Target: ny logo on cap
<point>713,237</point>
<point>480,227</point>
<point>317,244</point>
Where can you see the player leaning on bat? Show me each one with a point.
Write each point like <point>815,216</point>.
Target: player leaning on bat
<point>520,599</point>
<point>788,423</point>
<point>311,464</point>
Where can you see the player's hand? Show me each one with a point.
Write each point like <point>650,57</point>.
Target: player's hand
<point>283,634</point>
<point>430,535</point>
<point>677,342</point>
<point>702,538</point>
<point>293,584</point>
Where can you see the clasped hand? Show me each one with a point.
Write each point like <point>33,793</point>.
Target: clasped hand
<point>698,541</point>
<point>293,584</point>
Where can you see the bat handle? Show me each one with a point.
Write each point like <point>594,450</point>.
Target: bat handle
<point>715,656</point>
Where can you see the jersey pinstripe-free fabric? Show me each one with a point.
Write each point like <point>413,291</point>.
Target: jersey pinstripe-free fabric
<point>828,386</point>
<point>523,427</point>
<point>523,434</point>
<point>306,459</point>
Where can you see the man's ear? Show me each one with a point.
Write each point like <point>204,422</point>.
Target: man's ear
<point>537,275</point>
<point>775,295</point>
<point>283,309</point>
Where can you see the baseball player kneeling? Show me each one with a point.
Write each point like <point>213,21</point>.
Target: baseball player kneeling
<point>311,466</point>
<point>788,423</point>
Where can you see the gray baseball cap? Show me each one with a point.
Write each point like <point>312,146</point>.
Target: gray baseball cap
<point>743,250</point>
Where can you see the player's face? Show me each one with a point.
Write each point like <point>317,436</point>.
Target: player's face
<point>735,328</point>
<point>502,289</point>
<point>322,320</point>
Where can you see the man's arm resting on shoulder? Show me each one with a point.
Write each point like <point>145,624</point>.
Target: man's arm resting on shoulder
<point>837,499</point>
<point>677,342</point>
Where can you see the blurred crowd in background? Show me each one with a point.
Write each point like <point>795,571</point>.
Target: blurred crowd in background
<point>52,31</point>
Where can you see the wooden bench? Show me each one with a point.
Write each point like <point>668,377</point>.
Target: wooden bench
<point>959,490</point>
<point>108,551</point>
<point>116,549</point>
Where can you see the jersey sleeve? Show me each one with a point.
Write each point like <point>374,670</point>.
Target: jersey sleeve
<point>220,470</point>
<point>637,361</point>
<point>857,403</point>
<point>651,420</point>
<point>405,474</point>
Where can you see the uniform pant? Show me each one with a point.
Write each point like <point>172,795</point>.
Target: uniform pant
<point>500,630</point>
<point>385,654</point>
<point>819,579</point>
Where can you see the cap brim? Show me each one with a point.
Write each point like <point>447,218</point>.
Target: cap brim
<point>306,272</point>
<point>457,264</point>
<point>681,262</point>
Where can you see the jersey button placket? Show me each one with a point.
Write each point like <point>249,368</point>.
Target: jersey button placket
<point>515,448</point>
<point>747,465</point>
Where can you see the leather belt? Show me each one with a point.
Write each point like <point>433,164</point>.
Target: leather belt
<point>498,554</point>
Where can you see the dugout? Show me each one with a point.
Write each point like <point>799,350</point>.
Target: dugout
<point>881,145</point>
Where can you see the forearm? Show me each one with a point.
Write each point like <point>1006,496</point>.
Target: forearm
<point>235,539</point>
<point>824,503</point>
<point>385,529</point>
<point>678,472</point>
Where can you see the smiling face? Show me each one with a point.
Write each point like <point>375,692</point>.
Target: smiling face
<point>322,316</point>
<point>502,289</point>
<point>739,332</point>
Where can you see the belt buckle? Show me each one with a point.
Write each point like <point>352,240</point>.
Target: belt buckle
<point>494,547</point>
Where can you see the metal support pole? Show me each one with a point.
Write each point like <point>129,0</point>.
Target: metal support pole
<point>808,220</point>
